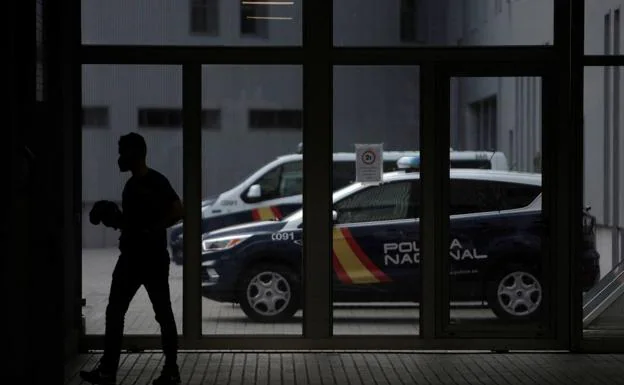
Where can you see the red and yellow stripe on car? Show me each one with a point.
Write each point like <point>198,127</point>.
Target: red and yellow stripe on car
<point>266,213</point>
<point>350,262</point>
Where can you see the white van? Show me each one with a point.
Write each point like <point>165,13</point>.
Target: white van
<point>275,190</point>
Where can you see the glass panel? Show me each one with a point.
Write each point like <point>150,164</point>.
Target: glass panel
<point>497,260</point>
<point>375,243</point>
<point>112,97</point>
<point>192,22</point>
<point>602,261</point>
<point>251,177</point>
<point>603,27</point>
<point>442,23</point>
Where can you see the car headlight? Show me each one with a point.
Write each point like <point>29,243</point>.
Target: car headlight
<point>219,244</point>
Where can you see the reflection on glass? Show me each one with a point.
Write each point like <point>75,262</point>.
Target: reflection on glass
<point>114,100</point>
<point>192,22</point>
<point>375,258</point>
<point>496,226</point>
<point>252,177</point>
<point>603,224</point>
<point>442,23</point>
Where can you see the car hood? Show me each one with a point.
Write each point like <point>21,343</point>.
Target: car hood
<point>252,227</point>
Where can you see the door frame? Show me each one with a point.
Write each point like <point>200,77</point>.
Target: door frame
<point>556,329</point>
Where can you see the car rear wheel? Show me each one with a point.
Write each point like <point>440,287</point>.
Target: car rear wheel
<point>516,293</point>
<point>269,293</point>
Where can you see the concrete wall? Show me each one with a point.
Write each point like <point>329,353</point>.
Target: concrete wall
<point>155,22</point>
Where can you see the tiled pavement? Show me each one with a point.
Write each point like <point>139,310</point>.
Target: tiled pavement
<point>369,368</point>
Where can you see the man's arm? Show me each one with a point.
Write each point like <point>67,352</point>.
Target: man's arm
<point>176,213</point>
<point>175,210</point>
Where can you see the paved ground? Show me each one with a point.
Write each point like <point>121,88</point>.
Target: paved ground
<point>368,368</point>
<point>219,318</point>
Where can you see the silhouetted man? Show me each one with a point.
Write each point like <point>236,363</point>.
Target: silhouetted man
<point>149,206</point>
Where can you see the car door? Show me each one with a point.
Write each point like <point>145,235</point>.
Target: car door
<point>473,209</point>
<point>374,242</point>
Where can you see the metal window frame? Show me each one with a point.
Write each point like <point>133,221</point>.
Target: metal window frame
<point>317,57</point>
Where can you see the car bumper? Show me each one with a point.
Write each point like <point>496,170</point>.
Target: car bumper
<point>218,283</point>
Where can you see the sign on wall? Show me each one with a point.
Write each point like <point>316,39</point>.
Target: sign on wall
<point>368,163</point>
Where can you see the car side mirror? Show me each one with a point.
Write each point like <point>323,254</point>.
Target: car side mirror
<point>334,215</point>
<point>255,191</point>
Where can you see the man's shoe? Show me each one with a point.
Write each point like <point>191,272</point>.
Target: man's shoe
<point>99,376</point>
<point>168,377</point>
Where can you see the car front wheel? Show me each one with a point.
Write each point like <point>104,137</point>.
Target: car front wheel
<point>269,293</point>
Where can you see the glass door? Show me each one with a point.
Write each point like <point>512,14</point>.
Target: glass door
<point>497,270</point>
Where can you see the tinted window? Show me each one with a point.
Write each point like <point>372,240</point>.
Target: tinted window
<point>379,203</point>
<point>472,196</point>
<point>389,166</point>
<point>517,195</point>
<point>472,163</point>
<point>343,174</point>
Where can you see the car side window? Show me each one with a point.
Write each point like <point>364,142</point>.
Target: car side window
<point>282,181</point>
<point>390,165</point>
<point>384,202</point>
<point>469,196</point>
<point>517,195</point>
<point>343,174</point>
<point>291,181</point>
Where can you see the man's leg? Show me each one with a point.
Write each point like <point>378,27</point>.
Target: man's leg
<point>124,286</point>
<point>157,285</point>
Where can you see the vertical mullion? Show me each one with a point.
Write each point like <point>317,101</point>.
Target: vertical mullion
<point>317,166</point>
<point>562,184</point>
<point>427,211</point>
<point>434,176</point>
<point>441,178</point>
<point>191,110</point>
<point>571,289</point>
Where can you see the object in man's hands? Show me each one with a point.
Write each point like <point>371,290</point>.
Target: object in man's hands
<point>105,212</point>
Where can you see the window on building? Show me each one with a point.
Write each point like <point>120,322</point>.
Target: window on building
<point>389,201</point>
<point>271,119</point>
<point>485,114</point>
<point>412,25</point>
<point>160,117</point>
<point>204,17</point>
<point>211,119</point>
<point>95,116</point>
<point>254,20</point>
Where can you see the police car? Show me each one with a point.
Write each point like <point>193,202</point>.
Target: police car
<point>275,190</point>
<point>495,247</point>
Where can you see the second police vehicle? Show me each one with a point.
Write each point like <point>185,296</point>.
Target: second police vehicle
<point>275,190</point>
<point>496,232</point>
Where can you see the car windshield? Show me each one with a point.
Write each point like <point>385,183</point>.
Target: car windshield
<point>338,194</point>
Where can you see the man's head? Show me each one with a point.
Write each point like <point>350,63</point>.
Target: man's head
<point>132,152</point>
